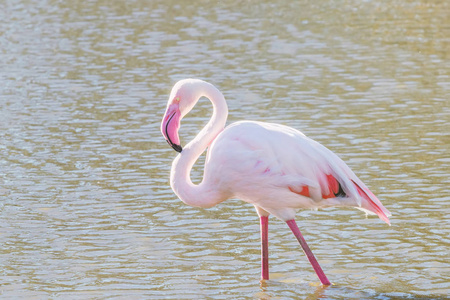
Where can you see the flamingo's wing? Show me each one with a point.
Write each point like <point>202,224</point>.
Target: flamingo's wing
<point>287,158</point>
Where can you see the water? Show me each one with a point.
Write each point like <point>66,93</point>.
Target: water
<point>86,207</point>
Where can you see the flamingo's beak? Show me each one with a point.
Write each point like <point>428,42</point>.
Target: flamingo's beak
<point>170,126</point>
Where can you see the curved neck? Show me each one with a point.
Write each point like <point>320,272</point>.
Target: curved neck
<point>202,195</point>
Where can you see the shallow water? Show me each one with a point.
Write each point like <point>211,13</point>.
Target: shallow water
<point>86,209</point>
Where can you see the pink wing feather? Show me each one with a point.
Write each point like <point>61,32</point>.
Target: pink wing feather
<point>256,160</point>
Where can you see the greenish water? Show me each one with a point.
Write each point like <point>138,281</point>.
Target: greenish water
<point>86,209</point>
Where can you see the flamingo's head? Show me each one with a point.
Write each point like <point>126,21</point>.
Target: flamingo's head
<point>182,98</point>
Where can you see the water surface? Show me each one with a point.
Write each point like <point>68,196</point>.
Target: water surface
<point>86,209</point>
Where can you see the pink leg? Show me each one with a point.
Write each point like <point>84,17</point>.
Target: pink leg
<point>264,247</point>
<point>293,226</point>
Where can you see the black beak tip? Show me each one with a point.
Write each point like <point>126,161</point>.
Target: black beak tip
<point>177,148</point>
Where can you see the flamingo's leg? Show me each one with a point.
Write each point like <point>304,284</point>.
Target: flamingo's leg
<point>264,221</point>
<point>293,226</point>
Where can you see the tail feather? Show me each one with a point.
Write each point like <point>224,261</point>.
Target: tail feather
<point>372,203</point>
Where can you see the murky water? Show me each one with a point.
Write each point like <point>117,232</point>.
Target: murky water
<point>86,208</point>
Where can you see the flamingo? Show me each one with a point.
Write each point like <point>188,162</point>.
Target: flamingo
<point>274,167</point>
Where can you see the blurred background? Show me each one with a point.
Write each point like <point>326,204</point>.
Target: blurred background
<point>86,210</point>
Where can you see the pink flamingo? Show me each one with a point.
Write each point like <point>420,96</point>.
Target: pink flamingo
<point>274,167</point>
